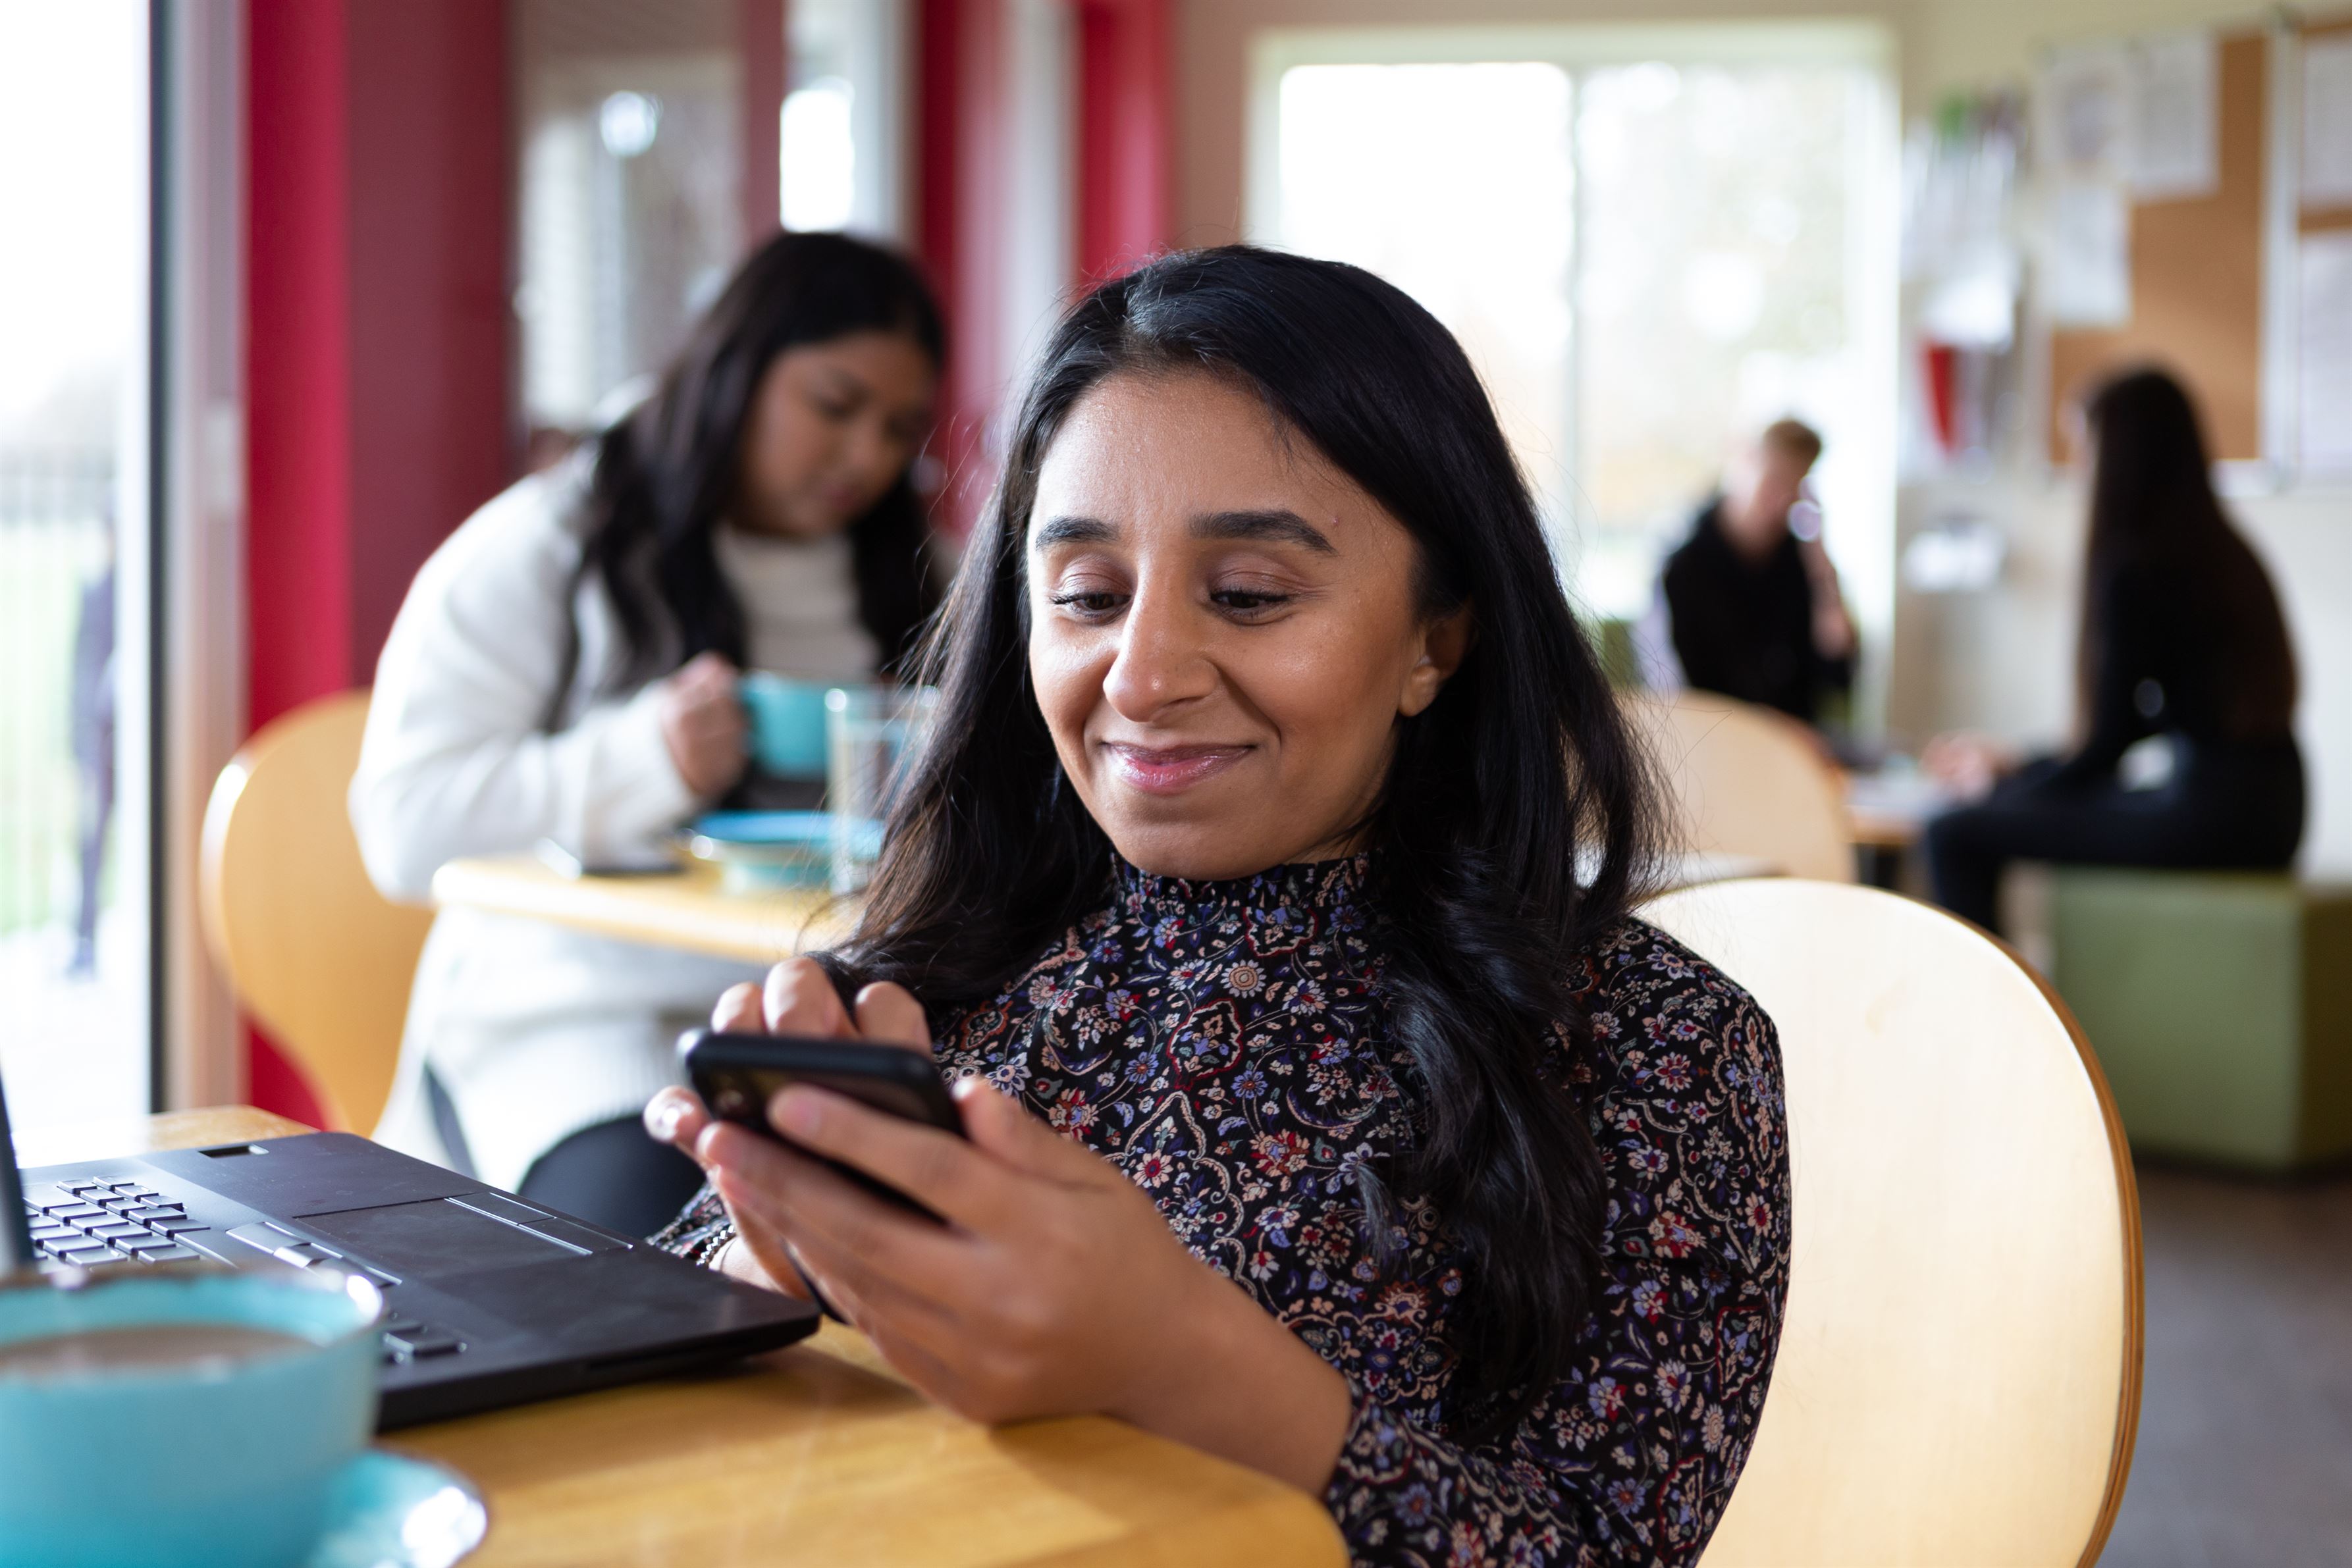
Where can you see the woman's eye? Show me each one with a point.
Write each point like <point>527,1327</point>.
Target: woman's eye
<point>1248,601</point>
<point>1088,601</point>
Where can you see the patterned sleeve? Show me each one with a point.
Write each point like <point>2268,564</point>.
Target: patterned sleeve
<point>1632,1459</point>
<point>700,1230</point>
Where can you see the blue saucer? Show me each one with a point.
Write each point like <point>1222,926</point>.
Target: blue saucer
<point>395,1510</point>
<point>759,850</point>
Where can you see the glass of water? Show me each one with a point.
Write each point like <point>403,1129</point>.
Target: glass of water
<point>871,734</point>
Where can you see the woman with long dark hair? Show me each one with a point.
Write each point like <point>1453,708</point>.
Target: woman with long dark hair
<point>564,668</point>
<point>1321,1115</point>
<point>2181,636</point>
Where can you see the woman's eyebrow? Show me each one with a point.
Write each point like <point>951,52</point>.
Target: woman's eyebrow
<point>1071,531</point>
<point>1277,526</point>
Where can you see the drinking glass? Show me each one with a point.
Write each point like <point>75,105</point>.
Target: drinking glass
<point>871,734</point>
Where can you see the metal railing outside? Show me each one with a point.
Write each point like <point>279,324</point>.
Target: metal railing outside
<point>56,511</point>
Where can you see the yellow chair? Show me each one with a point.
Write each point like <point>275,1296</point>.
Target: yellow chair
<point>1746,781</point>
<point>1958,1375</point>
<point>318,958</point>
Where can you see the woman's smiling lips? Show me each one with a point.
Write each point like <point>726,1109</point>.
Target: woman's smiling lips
<point>1170,770</point>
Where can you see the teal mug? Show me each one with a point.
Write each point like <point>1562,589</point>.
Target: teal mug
<point>180,1420</point>
<point>787,720</point>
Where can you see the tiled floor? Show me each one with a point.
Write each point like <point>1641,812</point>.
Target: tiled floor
<point>2245,1434</point>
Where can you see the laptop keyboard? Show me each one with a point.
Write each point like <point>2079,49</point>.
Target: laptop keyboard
<point>91,1224</point>
<point>87,1223</point>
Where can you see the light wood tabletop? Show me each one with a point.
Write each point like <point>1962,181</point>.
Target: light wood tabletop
<point>1890,810</point>
<point>688,909</point>
<point>685,908</point>
<point>817,1454</point>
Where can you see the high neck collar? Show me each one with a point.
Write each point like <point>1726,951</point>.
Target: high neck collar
<point>1317,886</point>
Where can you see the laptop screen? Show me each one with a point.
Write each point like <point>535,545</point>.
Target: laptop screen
<point>16,1237</point>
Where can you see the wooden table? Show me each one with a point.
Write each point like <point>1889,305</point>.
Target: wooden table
<point>689,910</point>
<point>681,909</point>
<point>817,1454</point>
<point>1890,810</point>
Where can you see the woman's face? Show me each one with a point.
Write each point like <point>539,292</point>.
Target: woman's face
<point>831,427</point>
<point>1224,629</point>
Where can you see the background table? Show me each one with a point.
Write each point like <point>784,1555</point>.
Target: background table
<point>817,1453</point>
<point>680,909</point>
<point>687,909</point>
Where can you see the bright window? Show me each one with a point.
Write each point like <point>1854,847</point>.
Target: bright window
<point>1651,248</point>
<point>74,934</point>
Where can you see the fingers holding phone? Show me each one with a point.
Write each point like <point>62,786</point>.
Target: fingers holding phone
<point>798,999</point>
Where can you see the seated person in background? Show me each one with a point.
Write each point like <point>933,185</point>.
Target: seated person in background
<point>1753,606</point>
<point>2181,636</point>
<point>1319,1118</point>
<point>564,668</point>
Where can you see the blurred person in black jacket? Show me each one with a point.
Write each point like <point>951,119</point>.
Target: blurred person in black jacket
<point>2181,637</point>
<point>1751,598</point>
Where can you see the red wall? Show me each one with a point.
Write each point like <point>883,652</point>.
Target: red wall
<point>378,353</point>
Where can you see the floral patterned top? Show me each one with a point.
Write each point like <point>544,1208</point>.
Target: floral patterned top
<point>1224,1043</point>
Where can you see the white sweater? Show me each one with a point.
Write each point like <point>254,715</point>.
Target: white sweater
<point>538,1030</point>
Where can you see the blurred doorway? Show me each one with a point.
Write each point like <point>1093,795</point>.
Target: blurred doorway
<point>75,610</point>
<point>1651,241</point>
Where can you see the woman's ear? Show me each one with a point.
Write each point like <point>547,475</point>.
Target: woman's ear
<point>1445,641</point>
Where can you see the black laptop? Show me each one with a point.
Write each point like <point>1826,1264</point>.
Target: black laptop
<point>488,1300</point>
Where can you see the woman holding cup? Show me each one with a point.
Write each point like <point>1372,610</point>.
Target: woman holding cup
<point>566,668</point>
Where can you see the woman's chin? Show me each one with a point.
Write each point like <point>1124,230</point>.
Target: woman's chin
<point>1196,851</point>
<point>1203,851</point>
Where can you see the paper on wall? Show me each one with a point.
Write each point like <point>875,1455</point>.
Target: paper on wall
<point>2173,89</point>
<point>2327,122</point>
<point>2083,112</point>
<point>2323,353</point>
<point>2087,255</point>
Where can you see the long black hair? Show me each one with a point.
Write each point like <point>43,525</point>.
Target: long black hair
<point>665,475</point>
<point>2153,511</point>
<point>1522,758</point>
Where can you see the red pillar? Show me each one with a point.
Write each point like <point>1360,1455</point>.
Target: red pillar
<point>298,350</point>
<point>960,116</point>
<point>378,357</point>
<point>1125,134</point>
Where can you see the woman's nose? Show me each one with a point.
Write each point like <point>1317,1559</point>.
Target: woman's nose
<point>875,452</point>
<point>1162,661</point>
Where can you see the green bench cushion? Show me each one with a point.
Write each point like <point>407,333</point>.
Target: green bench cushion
<point>2219,1005</point>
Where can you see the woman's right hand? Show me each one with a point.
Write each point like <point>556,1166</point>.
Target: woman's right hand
<point>702,723</point>
<point>1966,763</point>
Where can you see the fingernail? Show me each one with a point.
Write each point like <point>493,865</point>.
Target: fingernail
<point>666,1118</point>
<point>796,1110</point>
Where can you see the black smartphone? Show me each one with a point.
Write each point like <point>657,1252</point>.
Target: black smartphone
<point>738,1074</point>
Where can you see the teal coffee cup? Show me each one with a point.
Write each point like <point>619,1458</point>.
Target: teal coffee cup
<point>194,1420</point>
<point>787,719</point>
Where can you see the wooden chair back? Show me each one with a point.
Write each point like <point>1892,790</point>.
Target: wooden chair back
<point>1958,1375</point>
<point>1746,781</point>
<point>321,960</point>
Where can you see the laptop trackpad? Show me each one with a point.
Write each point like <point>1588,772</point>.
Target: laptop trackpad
<point>434,1236</point>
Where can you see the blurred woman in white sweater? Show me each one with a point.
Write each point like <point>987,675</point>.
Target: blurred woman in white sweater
<point>564,668</point>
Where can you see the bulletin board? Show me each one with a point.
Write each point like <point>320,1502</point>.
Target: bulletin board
<point>2196,277</point>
